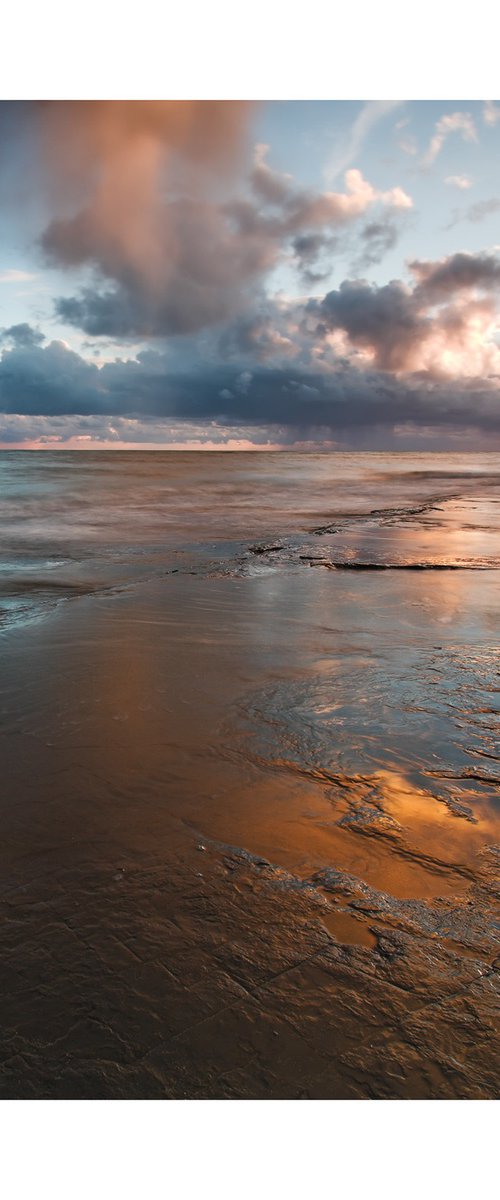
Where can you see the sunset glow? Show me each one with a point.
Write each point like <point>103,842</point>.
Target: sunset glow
<point>249,616</point>
<point>238,274</point>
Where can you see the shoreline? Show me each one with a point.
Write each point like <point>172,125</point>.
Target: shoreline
<point>147,955</point>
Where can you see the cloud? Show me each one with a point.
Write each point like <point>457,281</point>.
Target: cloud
<point>10,275</point>
<point>134,189</point>
<point>272,186</point>
<point>22,335</point>
<point>405,141</point>
<point>476,213</point>
<point>161,213</point>
<point>459,272</point>
<point>263,334</point>
<point>350,147</point>
<point>360,359</point>
<point>207,263</point>
<point>304,212</point>
<point>462,182</point>
<point>458,122</point>
<point>313,253</point>
<point>116,433</point>
<point>491,113</point>
<point>382,320</point>
<point>47,380</point>
<point>172,226</point>
<point>483,208</point>
<point>136,402</point>
<point>443,325</point>
<point>209,257</point>
<point>408,145</point>
<point>377,238</point>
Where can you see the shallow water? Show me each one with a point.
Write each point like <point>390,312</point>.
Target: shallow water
<point>73,522</point>
<point>211,662</point>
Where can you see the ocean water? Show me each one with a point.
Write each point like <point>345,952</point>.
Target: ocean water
<point>211,662</point>
<point>73,523</point>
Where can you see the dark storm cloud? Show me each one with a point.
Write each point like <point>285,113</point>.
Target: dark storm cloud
<point>259,335</point>
<point>276,365</point>
<point>48,380</point>
<point>55,381</point>
<point>385,320</point>
<point>22,335</point>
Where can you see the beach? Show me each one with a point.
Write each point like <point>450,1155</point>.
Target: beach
<point>250,776</point>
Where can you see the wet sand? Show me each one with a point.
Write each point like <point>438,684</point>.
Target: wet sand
<point>250,815</point>
<point>184,915</point>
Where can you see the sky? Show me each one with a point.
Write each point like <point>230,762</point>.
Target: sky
<point>239,275</point>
